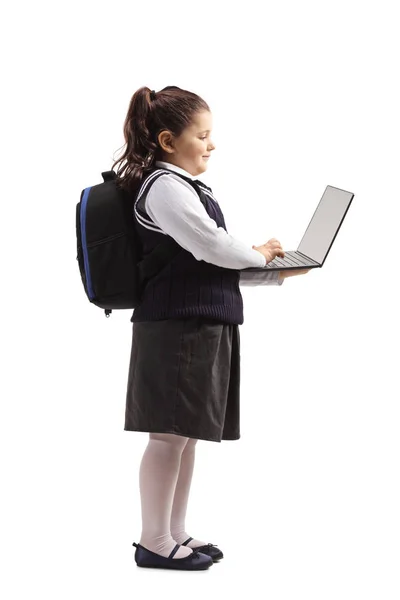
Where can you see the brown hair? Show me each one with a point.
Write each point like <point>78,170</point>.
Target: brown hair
<point>172,108</point>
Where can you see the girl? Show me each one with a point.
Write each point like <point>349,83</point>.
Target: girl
<point>184,372</point>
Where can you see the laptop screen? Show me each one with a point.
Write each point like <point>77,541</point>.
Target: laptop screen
<point>325,223</point>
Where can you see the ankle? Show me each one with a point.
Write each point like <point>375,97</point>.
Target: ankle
<point>163,545</point>
<point>182,536</point>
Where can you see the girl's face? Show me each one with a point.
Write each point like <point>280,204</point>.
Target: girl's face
<point>190,150</point>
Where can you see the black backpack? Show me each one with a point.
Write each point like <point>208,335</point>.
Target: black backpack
<point>110,255</point>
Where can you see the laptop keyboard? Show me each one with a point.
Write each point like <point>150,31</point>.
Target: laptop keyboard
<point>292,259</point>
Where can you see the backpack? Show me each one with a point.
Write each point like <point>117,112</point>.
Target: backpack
<point>113,270</point>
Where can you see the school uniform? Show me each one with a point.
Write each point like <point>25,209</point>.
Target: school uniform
<point>184,370</point>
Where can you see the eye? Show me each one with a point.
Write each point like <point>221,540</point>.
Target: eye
<point>204,138</point>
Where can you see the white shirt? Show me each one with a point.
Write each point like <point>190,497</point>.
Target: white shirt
<point>174,207</point>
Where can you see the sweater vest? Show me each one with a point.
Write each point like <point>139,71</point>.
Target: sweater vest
<point>187,287</point>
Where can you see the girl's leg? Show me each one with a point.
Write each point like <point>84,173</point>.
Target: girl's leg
<point>178,514</point>
<point>158,475</point>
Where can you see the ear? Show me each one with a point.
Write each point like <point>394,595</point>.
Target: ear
<point>166,141</point>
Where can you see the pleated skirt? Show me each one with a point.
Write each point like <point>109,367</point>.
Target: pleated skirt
<point>184,378</point>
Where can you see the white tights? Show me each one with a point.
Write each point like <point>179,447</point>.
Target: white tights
<point>165,476</point>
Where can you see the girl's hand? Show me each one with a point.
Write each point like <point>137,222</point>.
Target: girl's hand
<point>291,273</point>
<point>271,249</point>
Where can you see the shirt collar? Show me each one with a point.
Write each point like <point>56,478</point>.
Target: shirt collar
<point>167,165</point>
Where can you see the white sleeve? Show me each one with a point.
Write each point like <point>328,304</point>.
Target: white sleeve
<point>249,278</point>
<point>175,207</point>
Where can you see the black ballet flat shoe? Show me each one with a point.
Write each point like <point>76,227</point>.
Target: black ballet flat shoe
<point>209,549</point>
<point>193,562</point>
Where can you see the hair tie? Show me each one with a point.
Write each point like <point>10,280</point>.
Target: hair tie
<point>152,95</point>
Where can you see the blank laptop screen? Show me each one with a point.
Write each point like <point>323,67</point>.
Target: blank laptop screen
<point>325,222</point>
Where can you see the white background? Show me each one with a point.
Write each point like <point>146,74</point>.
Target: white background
<point>306,503</point>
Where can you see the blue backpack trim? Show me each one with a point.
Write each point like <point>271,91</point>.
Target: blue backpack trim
<point>84,242</point>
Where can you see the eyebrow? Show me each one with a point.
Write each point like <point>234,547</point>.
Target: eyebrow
<point>205,131</point>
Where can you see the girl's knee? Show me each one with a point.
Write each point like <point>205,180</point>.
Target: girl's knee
<point>191,444</point>
<point>177,441</point>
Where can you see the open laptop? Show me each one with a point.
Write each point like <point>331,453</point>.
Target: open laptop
<point>319,235</point>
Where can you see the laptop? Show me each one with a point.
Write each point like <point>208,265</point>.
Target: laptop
<point>319,235</point>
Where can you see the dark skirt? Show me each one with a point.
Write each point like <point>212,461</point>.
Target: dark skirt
<point>184,378</point>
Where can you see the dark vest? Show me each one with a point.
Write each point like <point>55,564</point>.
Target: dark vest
<point>187,287</point>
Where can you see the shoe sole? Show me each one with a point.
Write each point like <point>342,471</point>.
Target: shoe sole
<point>177,568</point>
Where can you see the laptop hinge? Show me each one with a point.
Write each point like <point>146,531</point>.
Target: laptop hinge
<point>307,257</point>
